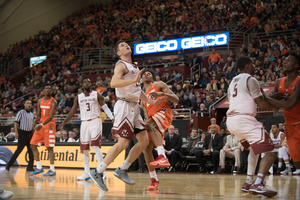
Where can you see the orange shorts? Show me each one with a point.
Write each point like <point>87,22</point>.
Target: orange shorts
<point>162,123</point>
<point>293,141</point>
<point>47,134</point>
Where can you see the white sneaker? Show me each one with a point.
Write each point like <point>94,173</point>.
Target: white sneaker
<point>83,177</point>
<point>4,194</point>
<point>297,172</point>
<point>287,171</point>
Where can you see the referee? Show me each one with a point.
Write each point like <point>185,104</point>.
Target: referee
<point>24,131</point>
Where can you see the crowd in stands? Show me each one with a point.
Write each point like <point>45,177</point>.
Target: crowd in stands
<point>101,25</point>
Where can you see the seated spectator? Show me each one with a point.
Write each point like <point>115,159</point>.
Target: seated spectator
<point>196,82</point>
<point>220,94</point>
<point>65,136</point>
<point>58,137</point>
<point>2,137</point>
<point>212,144</point>
<point>187,103</point>
<point>208,102</point>
<point>173,147</point>
<point>214,85</point>
<point>72,136</point>
<point>267,63</point>
<point>221,65</point>
<point>223,85</point>
<point>213,121</point>
<point>213,66</point>
<point>232,149</point>
<point>69,101</point>
<point>229,63</point>
<point>197,105</point>
<point>179,90</point>
<point>203,112</point>
<point>214,56</point>
<point>230,74</point>
<point>166,78</point>
<point>189,93</point>
<point>206,79</point>
<point>194,138</point>
<point>176,76</point>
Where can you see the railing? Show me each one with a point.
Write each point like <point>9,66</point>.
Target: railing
<point>264,37</point>
<point>25,95</point>
<point>215,103</point>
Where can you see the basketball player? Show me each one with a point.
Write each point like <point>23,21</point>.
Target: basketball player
<point>89,103</point>
<point>45,130</point>
<point>159,118</point>
<point>128,121</point>
<point>285,156</point>
<point>243,94</point>
<point>290,85</point>
<point>277,138</point>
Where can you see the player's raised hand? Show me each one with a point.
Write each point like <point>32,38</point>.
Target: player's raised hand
<point>160,100</point>
<point>156,94</point>
<point>138,76</point>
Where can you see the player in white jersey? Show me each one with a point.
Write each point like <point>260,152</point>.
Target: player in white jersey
<point>244,93</point>
<point>277,137</point>
<point>89,103</point>
<point>128,122</point>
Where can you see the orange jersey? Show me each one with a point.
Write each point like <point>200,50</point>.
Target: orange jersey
<point>161,115</point>
<point>290,116</point>
<point>46,109</point>
<point>161,108</point>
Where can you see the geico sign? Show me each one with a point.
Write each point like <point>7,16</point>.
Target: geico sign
<point>202,41</point>
<point>153,47</point>
<point>184,43</point>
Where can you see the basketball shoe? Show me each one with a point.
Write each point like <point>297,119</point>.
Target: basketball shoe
<point>246,187</point>
<point>37,171</point>
<point>160,162</point>
<point>83,177</point>
<point>297,172</point>
<point>123,176</point>
<point>287,171</point>
<point>98,179</point>
<point>4,194</point>
<point>154,185</point>
<point>262,189</point>
<point>50,173</point>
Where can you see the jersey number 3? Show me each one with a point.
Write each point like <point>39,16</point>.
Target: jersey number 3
<point>235,92</point>
<point>88,108</point>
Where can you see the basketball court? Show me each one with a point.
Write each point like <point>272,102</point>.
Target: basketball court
<point>172,186</point>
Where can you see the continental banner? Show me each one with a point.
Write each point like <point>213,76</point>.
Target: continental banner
<point>65,156</point>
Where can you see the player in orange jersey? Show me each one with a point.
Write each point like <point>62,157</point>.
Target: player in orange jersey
<point>291,105</point>
<point>159,118</point>
<point>45,130</point>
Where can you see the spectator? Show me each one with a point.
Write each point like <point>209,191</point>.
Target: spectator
<point>213,121</point>
<point>212,144</point>
<point>230,74</point>
<point>58,137</point>
<point>166,78</point>
<point>213,66</point>
<point>206,79</point>
<point>213,85</point>
<point>203,112</point>
<point>214,56</point>
<point>196,82</point>
<point>69,101</point>
<point>208,102</point>
<point>72,136</point>
<point>65,136</point>
<point>193,139</point>
<point>232,149</point>
<point>197,105</point>
<point>172,147</point>
<point>187,103</point>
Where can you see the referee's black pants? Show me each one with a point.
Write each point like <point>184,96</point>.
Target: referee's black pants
<point>24,140</point>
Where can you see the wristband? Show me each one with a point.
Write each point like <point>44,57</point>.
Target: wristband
<point>42,124</point>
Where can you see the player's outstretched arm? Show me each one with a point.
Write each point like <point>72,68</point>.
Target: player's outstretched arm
<point>119,72</point>
<point>104,106</point>
<point>290,102</point>
<point>71,114</point>
<point>146,99</point>
<point>165,92</point>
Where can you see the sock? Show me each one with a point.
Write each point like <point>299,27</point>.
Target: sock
<point>125,165</point>
<point>52,167</point>
<point>99,156</point>
<point>102,168</point>
<point>86,160</point>
<point>279,164</point>
<point>260,178</point>
<point>249,179</point>
<point>153,175</point>
<point>287,164</point>
<point>161,151</point>
<point>252,162</point>
<point>38,165</point>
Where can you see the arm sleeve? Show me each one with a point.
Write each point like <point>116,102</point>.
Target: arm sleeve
<point>254,88</point>
<point>107,111</point>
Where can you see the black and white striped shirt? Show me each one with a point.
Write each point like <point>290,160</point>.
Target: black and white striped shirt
<point>25,120</point>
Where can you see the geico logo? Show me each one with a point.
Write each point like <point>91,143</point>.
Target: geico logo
<point>153,47</point>
<point>202,41</point>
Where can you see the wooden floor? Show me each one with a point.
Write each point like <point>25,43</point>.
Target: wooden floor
<point>172,186</point>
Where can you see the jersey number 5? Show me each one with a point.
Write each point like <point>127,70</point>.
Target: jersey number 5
<point>235,91</point>
<point>88,107</point>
